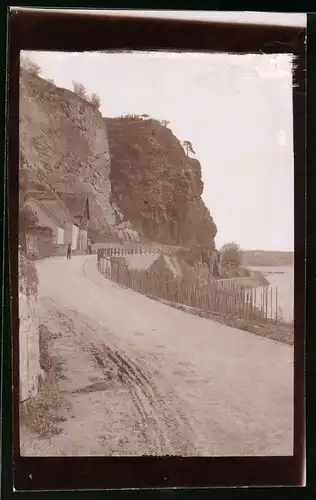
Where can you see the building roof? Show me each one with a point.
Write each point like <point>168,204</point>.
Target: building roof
<point>59,222</point>
<point>76,203</point>
<point>65,207</point>
<point>53,205</point>
<point>58,210</point>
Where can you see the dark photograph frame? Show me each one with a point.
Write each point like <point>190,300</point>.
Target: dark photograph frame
<point>58,31</point>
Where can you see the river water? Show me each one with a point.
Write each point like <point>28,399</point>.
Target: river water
<point>282,279</point>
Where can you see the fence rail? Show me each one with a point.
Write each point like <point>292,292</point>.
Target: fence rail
<point>117,251</point>
<point>225,298</point>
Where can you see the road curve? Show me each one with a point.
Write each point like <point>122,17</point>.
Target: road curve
<point>180,384</point>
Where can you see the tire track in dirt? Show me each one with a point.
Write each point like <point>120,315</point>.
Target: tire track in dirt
<point>158,413</point>
<point>161,418</point>
<point>150,399</point>
<point>156,394</point>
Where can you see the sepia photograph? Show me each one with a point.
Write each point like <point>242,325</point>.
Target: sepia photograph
<point>157,243</point>
<point>156,261</point>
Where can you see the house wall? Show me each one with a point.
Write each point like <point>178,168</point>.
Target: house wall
<point>60,236</point>
<point>83,240</point>
<point>75,237</point>
<point>68,233</point>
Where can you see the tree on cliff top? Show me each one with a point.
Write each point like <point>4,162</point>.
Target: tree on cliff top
<point>231,253</point>
<point>95,100</point>
<point>30,66</point>
<point>79,89</point>
<point>188,147</point>
<point>164,123</point>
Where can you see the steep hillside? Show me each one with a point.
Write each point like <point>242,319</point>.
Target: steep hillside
<point>64,146</point>
<point>156,186</point>
<point>140,182</point>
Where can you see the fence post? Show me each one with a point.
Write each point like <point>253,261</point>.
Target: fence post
<point>132,279</point>
<point>250,305</point>
<point>180,287</point>
<point>208,299</point>
<point>243,303</point>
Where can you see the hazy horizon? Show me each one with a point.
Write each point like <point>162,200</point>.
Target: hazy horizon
<point>235,109</point>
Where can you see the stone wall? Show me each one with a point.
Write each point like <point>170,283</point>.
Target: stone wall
<point>29,330</point>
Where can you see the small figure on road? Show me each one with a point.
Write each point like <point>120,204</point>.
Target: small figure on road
<point>69,251</point>
<point>89,247</point>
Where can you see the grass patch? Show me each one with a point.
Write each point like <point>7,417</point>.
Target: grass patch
<point>45,343</point>
<point>28,277</point>
<point>280,332</point>
<point>44,413</point>
<point>40,414</point>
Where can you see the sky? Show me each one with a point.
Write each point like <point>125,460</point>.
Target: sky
<point>235,109</point>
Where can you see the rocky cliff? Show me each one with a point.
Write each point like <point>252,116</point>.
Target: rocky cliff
<point>64,146</point>
<point>140,182</point>
<point>156,185</point>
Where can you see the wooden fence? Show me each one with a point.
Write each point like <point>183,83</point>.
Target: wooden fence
<point>135,249</point>
<point>226,298</point>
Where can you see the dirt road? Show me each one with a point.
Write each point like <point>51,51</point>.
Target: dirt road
<point>144,378</point>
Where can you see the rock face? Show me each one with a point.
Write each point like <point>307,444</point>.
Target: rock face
<point>156,185</point>
<point>64,146</point>
<point>141,184</point>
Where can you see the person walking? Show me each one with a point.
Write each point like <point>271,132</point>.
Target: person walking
<point>89,247</point>
<point>69,251</point>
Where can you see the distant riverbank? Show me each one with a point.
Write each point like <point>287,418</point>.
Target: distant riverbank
<point>261,258</point>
